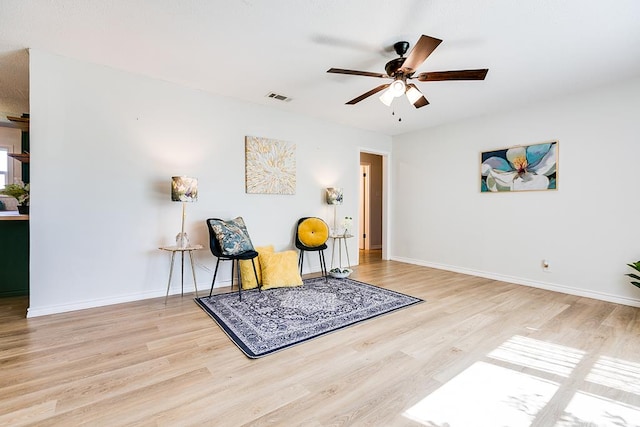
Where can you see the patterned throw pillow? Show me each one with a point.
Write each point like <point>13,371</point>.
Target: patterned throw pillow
<point>232,235</point>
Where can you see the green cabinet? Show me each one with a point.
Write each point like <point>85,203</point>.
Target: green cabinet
<point>14,257</point>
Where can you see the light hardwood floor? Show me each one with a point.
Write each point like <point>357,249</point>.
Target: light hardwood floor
<point>477,352</point>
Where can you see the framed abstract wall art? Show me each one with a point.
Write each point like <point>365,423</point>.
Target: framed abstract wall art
<point>270,166</point>
<point>522,168</point>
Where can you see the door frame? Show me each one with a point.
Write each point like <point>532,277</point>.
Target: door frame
<point>365,195</point>
<point>386,196</point>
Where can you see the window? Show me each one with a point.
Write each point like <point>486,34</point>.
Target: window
<point>7,170</point>
<point>4,167</point>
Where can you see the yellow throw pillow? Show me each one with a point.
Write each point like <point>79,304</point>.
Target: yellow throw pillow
<point>279,269</point>
<point>313,232</point>
<point>246,269</point>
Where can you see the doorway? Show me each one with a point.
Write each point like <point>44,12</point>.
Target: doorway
<point>371,218</point>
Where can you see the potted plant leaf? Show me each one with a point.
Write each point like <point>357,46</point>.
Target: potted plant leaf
<point>20,191</point>
<point>636,267</point>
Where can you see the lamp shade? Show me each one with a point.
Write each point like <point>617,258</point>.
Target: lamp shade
<point>397,88</point>
<point>334,196</point>
<point>184,189</point>
<point>387,97</point>
<point>413,95</point>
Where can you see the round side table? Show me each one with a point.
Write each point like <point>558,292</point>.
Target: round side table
<point>173,249</point>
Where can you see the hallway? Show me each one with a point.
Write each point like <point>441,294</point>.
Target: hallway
<point>370,256</point>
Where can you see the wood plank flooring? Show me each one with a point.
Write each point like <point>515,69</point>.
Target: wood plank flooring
<point>477,352</point>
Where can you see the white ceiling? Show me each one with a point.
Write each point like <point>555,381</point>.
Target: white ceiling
<point>535,50</point>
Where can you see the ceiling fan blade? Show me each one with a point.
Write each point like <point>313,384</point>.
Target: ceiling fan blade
<point>453,75</point>
<point>368,94</point>
<point>419,53</point>
<point>356,73</point>
<point>420,102</point>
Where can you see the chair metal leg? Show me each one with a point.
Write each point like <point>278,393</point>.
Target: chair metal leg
<point>323,265</point>
<point>239,279</point>
<point>256,274</point>
<point>213,282</point>
<point>233,273</point>
<point>301,260</point>
<point>324,261</point>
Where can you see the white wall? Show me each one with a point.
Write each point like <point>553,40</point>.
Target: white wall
<point>104,144</point>
<point>587,229</point>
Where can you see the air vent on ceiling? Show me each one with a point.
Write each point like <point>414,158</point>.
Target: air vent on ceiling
<point>278,97</point>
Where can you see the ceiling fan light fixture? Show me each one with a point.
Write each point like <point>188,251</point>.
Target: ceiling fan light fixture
<point>387,97</point>
<point>397,88</point>
<point>413,95</point>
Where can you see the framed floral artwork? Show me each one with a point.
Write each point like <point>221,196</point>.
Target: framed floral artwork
<point>270,166</point>
<point>522,168</point>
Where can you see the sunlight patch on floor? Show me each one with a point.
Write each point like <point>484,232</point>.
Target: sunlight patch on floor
<point>488,395</point>
<point>483,394</point>
<point>590,410</point>
<point>552,358</point>
<point>616,373</point>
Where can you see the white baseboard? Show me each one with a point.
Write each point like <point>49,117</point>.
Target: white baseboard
<point>100,302</point>
<point>526,282</point>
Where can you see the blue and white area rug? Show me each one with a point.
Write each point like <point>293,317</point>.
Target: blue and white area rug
<point>274,319</point>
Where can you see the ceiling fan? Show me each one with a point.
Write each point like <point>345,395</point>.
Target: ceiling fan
<point>402,69</point>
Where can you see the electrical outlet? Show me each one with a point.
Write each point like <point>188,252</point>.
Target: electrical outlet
<point>546,265</point>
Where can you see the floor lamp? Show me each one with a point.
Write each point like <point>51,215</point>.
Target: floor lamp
<point>183,189</point>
